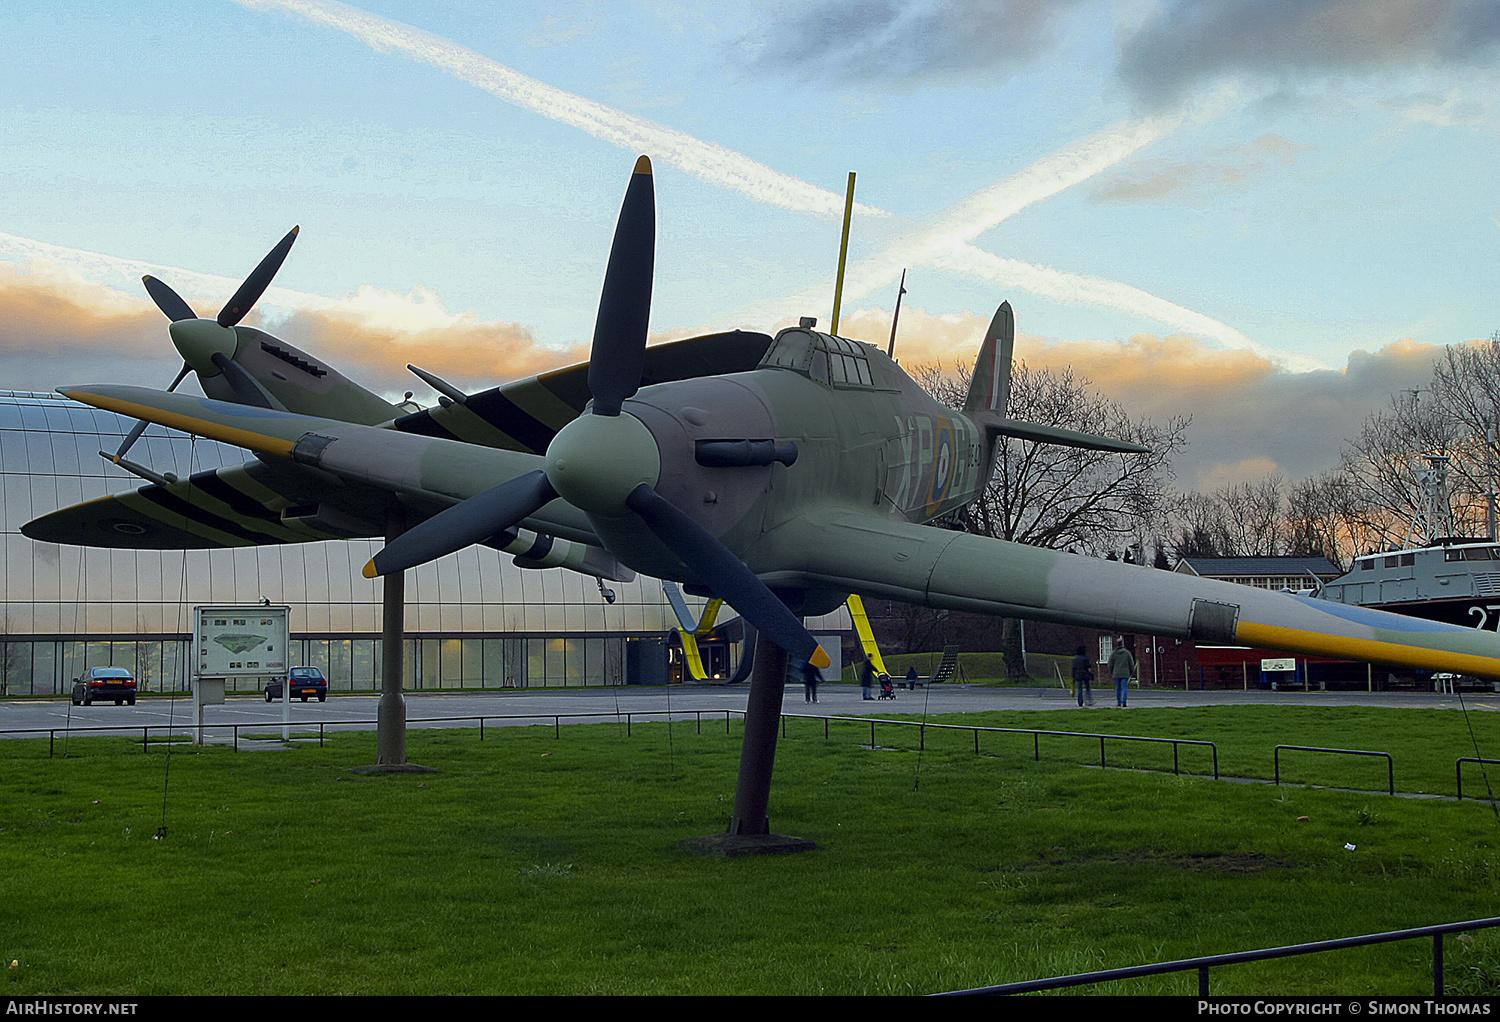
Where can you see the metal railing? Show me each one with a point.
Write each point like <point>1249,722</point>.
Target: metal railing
<point>1036,734</point>
<point>1202,965</point>
<point>238,731</point>
<point>1390,764</point>
<point>1458,769</point>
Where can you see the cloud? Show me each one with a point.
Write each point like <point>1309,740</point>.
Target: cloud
<point>51,311</point>
<point>58,327</point>
<point>896,43</point>
<point>1455,109</point>
<point>1250,415</point>
<point>1155,180</point>
<point>372,336</point>
<point>1223,474</point>
<point>1190,42</point>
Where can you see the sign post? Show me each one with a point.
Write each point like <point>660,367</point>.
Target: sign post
<point>237,642</point>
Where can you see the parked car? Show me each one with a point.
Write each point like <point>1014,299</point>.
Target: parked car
<point>305,682</point>
<point>104,683</point>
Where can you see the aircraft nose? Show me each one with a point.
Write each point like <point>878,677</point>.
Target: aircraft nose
<point>198,340</point>
<point>595,462</point>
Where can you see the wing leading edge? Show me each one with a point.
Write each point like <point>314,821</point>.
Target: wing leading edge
<point>917,564</point>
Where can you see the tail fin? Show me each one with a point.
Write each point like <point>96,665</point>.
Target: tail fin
<point>989,396</point>
<point>989,389</point>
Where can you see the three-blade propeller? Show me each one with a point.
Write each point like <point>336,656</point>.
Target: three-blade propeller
<point>208,345</point>
<point>607,463</point>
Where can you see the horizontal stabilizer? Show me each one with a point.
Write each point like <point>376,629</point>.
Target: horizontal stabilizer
<point>1040,434</point>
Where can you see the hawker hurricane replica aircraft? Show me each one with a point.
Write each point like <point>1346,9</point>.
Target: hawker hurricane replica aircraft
<point>780,475</point>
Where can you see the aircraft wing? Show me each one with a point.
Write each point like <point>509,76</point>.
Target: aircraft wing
<point>315,479</point>
<point>853,552</point>
<point>525,415</point>
<point>253,504</point>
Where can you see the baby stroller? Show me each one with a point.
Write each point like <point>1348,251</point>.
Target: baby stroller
<point>887,690</point>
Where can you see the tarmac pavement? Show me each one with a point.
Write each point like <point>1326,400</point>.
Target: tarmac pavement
<point>523,707</point>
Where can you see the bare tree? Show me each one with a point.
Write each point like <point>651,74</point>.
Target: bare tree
<point>1237,520</point>
<point>1390,481</point>
<point>1066,497</point>
<point>1386,492</point>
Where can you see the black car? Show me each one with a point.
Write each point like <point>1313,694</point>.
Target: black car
<point>104,683</point>
<point>305,682</point>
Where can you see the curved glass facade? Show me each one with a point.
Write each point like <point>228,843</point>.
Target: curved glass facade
<point>473,619</point>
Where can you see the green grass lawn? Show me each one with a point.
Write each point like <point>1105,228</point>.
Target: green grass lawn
<point>536,865</point>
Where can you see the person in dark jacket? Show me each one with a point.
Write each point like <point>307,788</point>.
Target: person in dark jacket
<point>810,678</point>
<point>1083,677</point>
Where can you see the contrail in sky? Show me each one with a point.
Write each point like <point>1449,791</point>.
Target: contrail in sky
<point>125,275</point>
<point>714,164</point>
<point>946,241</point>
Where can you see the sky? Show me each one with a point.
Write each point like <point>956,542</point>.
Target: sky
<point>1266,214</point>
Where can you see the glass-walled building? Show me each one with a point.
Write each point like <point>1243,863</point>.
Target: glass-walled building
<point>473,619</point>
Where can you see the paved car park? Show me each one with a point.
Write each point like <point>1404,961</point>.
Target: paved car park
<point>351,711</point>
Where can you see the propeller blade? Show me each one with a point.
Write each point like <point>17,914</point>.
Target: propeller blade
<point>130,439</point>
<point>180,377</point>
<point>140,426</point>
<point>464,524</point>
<point>255,285</point>
<point>246,390</point>
<point>167,300</point>
<point>619,348</point>
<point>725,574</point>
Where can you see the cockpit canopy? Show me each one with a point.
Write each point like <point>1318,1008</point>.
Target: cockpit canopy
<point>835,361</point>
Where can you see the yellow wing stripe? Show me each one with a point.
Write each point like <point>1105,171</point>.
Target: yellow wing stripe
<point>257,442</point>
<point>1368,650</point>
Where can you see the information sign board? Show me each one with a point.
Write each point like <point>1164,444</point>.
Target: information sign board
<point>241,642</point>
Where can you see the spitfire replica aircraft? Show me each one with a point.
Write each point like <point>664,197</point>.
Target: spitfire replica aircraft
<point>778,474</point>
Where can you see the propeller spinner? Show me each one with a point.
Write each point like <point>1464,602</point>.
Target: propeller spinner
<point>207,346</point>
<point>606,462</point>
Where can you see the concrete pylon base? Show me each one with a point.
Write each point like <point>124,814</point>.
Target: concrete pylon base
<point>732,846</point>
<point>393,768</point>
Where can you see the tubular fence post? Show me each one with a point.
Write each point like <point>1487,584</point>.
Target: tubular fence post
<point>976,741</point>
<point>1276,758</point>
<point>1036,746</point>
<point>1202,981</point>
<point>872,734</point>
<point>1437,964</point>
<point>922,737</point>
<point>557,728</point>
<point>1175,769</point>
<point>1101,750</point>
<point>1390,765</point>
